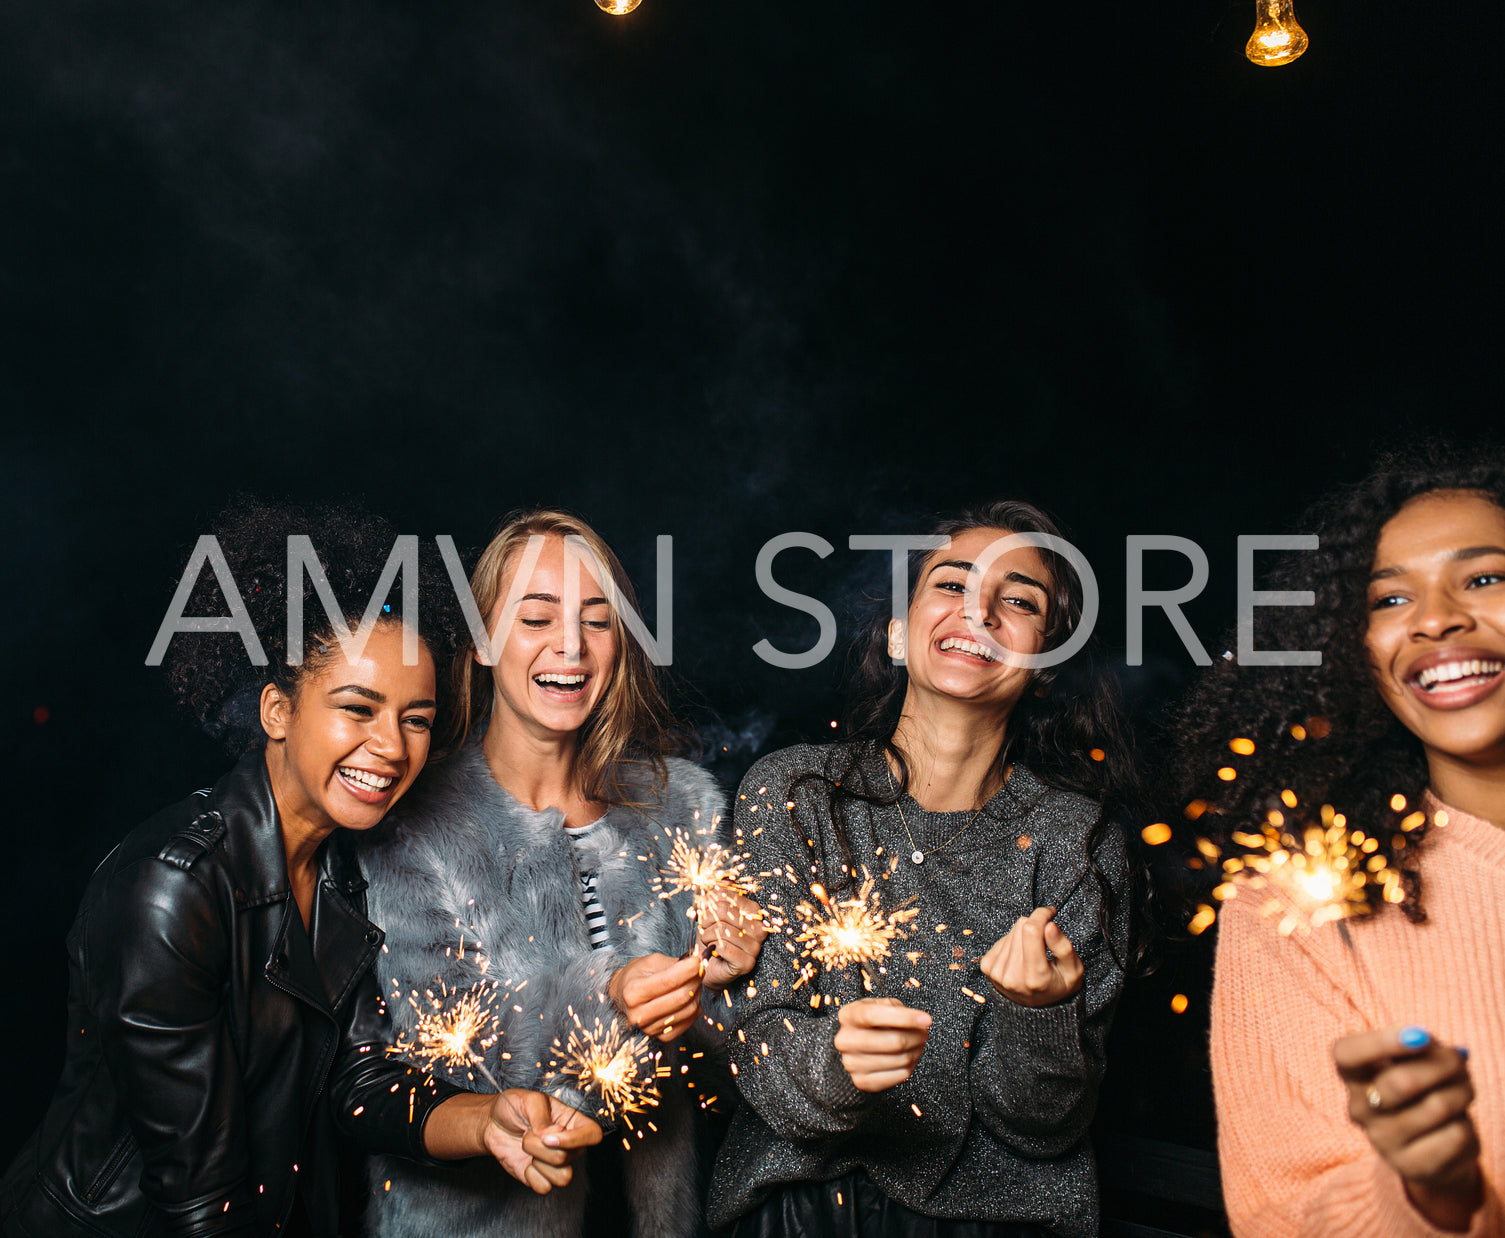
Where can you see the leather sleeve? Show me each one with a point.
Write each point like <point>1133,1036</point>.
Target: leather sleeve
<point>380,1103</point>
<point>156,957</point>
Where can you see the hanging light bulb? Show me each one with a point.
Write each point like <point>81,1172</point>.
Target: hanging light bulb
<point>617,7</point>
<point>1278,37</point>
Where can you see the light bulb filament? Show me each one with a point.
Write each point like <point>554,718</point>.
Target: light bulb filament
<point>1278,37</point>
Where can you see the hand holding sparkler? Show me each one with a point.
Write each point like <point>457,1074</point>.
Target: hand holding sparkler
<point>1034,964</point>
<point>731,925</point>
<point>880,1041</point>
<point>1410,1095</point>
<point>658,995</point>
<point>534,1137</point>
<point>732,928</point>
<point>532,1142</point>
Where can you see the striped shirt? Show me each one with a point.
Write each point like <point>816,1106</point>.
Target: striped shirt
<point>595,914</point>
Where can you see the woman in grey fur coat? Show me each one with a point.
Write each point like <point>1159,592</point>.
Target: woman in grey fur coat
<point>542,841</point>
<point>946,1092</point>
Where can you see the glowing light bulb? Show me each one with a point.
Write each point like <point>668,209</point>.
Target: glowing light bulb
<point>1278,37</point>
<point>619,7</point>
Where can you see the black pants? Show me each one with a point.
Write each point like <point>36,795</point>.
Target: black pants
<point>852,1207</point>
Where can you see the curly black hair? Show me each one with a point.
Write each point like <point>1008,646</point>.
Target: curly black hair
<point>211,673</point>
<point>1322,732</point>
<point>1069,728</point>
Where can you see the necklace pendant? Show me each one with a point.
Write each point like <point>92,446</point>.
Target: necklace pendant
<point>917,857</point>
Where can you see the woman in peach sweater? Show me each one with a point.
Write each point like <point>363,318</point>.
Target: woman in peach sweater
<point>1361,1088</point>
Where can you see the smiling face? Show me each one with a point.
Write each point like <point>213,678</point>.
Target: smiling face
<point>946,647</point>
<point>561,645</point>
<point>1436,634</point>
<point>349,742</point>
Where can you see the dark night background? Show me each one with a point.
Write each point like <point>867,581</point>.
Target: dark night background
<point>714,270</point>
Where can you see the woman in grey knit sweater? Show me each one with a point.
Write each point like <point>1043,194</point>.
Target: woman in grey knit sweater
<point>947,1089</point>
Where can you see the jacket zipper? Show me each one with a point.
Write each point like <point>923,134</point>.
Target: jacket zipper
<point>331,1043</point>
<point>105,1178</point>
<point>327,1054</point>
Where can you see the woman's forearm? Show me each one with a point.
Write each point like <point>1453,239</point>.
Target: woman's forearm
<point>456,1128</point>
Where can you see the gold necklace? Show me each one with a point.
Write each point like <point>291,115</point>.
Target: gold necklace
<point>916,856</point>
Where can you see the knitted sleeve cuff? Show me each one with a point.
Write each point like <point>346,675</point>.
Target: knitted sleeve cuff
<point>839,1089</point>
<point>1050,1032</point>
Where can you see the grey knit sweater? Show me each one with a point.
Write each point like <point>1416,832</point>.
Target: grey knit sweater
<point>993,1123</point>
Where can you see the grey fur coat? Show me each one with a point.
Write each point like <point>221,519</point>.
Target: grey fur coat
<point>459,853</point>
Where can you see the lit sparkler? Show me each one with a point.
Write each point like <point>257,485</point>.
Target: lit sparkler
<point>1318,873</point>
<point>703,871</point>
<point>617,1068</point>
<point>852,930</point>
<point>455,1030</point>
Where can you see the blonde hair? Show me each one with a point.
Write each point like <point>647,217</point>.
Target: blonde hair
<point>631,724</point>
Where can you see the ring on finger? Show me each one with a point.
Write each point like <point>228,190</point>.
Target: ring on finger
<point>1376,1101</point>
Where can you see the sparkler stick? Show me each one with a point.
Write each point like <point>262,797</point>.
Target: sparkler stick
<point>1363,970</point>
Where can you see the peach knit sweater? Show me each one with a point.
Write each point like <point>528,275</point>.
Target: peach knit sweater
<point>1293,1163</point>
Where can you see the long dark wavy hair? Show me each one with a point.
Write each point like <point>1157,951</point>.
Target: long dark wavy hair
<point>1323,732</point>
<point>1068,728</point>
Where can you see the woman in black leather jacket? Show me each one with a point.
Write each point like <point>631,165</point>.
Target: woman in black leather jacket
<point>224,1019</point>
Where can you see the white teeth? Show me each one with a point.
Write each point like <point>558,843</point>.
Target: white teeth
<point>568,681</point>
<point>375,782</point>
<point>969,646</point>
<point>1451,672</point>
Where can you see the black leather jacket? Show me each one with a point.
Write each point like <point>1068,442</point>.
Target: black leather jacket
<point>212,1052</point>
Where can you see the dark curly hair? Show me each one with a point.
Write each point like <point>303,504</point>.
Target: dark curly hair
<point>211,674</point>
<point>1069,728</point>
<point>1322,732</point>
